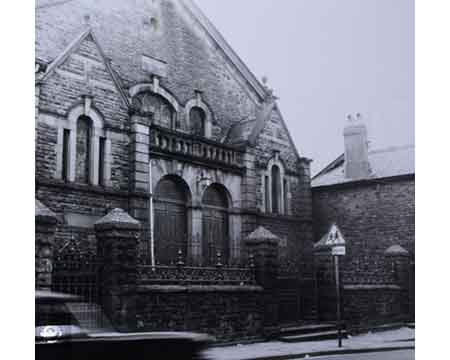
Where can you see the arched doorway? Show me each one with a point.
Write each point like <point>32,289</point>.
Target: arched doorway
<point>215,234</point>
<point>170,219</point>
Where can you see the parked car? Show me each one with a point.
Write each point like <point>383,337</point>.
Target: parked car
<point>61,333</point>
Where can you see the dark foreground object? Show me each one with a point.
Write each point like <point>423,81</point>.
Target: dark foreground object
<point>60,335</point>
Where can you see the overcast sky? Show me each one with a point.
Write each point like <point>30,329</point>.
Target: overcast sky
<point>325,59</point>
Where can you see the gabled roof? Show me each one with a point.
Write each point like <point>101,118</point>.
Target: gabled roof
<point>384,163</point>
<point>247,131</point>
<point>226,48</point>
<point>71,48</point>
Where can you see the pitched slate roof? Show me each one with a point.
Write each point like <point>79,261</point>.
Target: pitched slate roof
<point>389,162</point>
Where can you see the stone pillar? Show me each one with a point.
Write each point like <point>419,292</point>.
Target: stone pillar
<point>117,236</point>
<point>400,267</point>
<point>263,246</point>
<point>140,151</point>
<point>248,194</point>
<point>45,227</point>
<point>139,201</point>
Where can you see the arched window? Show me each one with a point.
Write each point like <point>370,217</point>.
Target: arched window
<point>163,113</point>
<point>215,234</point>
<point>276,190</point>
<point>197,121</point>
<point>83,146</point>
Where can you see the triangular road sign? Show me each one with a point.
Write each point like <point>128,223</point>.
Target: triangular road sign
<point>331,239</point>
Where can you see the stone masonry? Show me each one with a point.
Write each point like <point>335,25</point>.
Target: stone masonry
<point>134,70</point>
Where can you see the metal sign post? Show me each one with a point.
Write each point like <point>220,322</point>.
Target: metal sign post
<point>334,241</point>
<point>338,297</point>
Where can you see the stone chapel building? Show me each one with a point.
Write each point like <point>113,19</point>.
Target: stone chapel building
<point>143,103</point>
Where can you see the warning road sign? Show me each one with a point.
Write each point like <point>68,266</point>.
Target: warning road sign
<point>333,238</point>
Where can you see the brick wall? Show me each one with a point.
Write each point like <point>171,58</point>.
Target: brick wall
<point>372,216</point>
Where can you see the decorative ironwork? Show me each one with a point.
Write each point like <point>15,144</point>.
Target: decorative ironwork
<point>77,272</point>
<point>177,275</point>
<point>219,259</point>
<point>251,261</point>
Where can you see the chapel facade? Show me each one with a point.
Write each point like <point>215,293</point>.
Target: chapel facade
<point>142,105</point>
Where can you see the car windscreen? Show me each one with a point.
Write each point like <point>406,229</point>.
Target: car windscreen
<point>54,313</point>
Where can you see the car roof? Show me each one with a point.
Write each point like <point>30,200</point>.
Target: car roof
<point>52,295</point>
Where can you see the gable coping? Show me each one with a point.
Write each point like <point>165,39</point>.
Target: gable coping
<point>75,45</point>
<point>225,47</point>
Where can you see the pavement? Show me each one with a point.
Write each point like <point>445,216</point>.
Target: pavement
<point>389,340</point>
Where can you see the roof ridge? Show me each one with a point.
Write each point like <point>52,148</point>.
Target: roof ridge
<point>226,47</point>
<point>392,148</point>
<point>51,4</point>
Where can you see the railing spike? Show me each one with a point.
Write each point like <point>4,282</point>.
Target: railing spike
<point>251,260</point>
<point>219,259</point>
<point>180,261</point>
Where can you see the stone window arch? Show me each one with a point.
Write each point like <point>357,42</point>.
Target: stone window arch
<point>163,113</point>
<point>197,121</point>
<point>196,108</point>
<point>275,188</point>
<point>154,98</point>
<point>84,146</point>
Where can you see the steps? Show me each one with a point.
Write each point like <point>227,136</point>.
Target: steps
<point>312,332</point>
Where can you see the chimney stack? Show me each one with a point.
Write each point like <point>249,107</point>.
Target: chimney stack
<point>356,149</point>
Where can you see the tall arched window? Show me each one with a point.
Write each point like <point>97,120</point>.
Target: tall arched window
<point>83,147</point>
<point>197,121</point>
<point>215,233</point>
<point>170,233</point>
<point>276,189</point>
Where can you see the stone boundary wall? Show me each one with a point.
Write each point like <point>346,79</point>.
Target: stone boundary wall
<point>229,313</point>
<point>366,307</point>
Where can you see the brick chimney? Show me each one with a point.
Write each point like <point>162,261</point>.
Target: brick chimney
<point>356,149</point>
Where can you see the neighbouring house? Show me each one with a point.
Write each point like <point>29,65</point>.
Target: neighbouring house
<point>369,195</point>
<point>143,106</point>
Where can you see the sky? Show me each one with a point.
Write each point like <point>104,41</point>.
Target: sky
<point>326,59</point>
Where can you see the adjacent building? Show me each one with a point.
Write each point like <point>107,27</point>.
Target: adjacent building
<point>369,194</point>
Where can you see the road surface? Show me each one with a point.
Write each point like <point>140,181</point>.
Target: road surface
<point>382,355</point>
